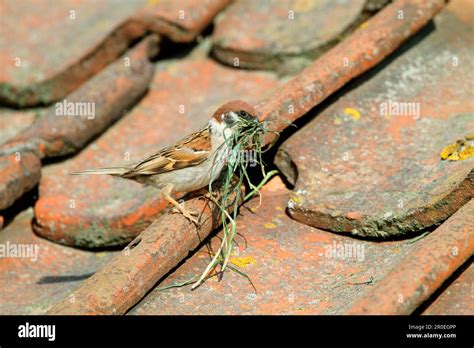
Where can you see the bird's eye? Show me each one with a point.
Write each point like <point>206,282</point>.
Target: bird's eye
<point>243,113</point>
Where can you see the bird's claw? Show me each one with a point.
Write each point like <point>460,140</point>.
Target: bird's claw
<point>188,214</point>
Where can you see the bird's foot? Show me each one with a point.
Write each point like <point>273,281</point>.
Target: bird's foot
<point>189,214</point>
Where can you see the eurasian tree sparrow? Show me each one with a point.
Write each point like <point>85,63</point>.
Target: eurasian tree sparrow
<point>193,162</point>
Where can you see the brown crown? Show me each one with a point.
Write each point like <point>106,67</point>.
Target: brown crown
<point>235,105</point>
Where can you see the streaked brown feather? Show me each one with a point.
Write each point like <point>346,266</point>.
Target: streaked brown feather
<point>190,151</point>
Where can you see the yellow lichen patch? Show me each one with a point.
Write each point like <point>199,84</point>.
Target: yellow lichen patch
<point>364,25</point>
<point>296,199</point>
<point>458,151</point>
<point>269,225</point>
<point>243,261</point>
<point>448,150</point>
<point>354,113</point>
<point>466,153</point>
<point>304,5</point>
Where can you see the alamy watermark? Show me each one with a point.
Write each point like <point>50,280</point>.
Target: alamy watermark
<point>396,108</point>
<point>28,330</point>
<point>345,251</point>
<point>28,251</point>
<point>68,108</point>
<point>245,156</point>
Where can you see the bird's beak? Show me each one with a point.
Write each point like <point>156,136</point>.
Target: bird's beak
<point>260,125</point>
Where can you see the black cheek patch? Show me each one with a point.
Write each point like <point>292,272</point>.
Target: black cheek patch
<point>229,120</point>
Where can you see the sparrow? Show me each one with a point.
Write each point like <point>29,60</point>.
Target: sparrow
<point>193,162</point>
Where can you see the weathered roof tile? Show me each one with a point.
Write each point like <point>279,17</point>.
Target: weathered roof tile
<point>370,163</point>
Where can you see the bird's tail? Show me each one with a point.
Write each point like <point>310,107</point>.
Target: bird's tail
<point>116,171</point>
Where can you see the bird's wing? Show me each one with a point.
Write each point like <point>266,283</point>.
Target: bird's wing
<point>190,151</point>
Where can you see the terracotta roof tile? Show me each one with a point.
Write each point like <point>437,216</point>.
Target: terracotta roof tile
<point>151,70</point>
